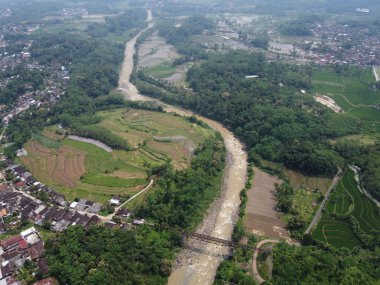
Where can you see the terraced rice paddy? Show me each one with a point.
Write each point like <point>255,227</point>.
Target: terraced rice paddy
<point>336,232</point>
<point>83,170</point>
<point>347,201</point>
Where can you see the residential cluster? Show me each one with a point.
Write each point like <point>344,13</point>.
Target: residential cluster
<point>73,12</point>
<point>26,200</point>
<point>344,45</point>
<point>16,251</point>
<point>5,12</point>
<point>55,85</point>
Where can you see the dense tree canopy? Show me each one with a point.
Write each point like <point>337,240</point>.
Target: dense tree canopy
<point>269,113</point>
<point>104,256</point>
<point>312,265</point>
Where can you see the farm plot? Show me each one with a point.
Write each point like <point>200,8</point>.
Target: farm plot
<point>312,183</point>
<point>352,93</point>
<point>63,166</point>
<point>340,201</point>
<point>158,136</point>
<point>348,201</point>
<point>82,170</point>
<point>103,174</point>
<point>336,232</point>
<point>364,211</point>
<point>305,203</point>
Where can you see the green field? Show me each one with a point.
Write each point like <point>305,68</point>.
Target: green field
<point>353,93</point>
<point>336,232</point>
<point>340,201</point>
<point>162,70</point>
<point>303,202</point>
<point>347,202</point>
<point>82,170</point>
<point>364,211</point>
<point>158,136</point>
<point>110,181</point>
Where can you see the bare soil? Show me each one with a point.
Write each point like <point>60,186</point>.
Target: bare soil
<point>261,216</point>
<point>63,166</point>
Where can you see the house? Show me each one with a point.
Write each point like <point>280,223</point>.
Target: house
<point>3,228</point>
<point>16,250</point>
<point>124,213</point>
<point>20,184</point>
<point>59,200</point>
<point>95,208</point>
<point>73,205</point>
<point>4,187</point>
<point>138,222</point>
<point>3,213</point>
<point>42,265</point>
<point>114,201</point>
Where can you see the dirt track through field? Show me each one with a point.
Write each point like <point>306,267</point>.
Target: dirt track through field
<point>197,267</point>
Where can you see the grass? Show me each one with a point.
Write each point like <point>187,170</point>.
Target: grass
<point>305,203</point>
<point>312,183</point>
<point>162,70</point>
<point>347,201</point>
<point>110,181</point>
<point>352,93</point>
<point>366,113</point>
<point>60,162</point>
<point>46,141</point>
<point>144,131</point>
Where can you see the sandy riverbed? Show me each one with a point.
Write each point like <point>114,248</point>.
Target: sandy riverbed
<point>196,267</point>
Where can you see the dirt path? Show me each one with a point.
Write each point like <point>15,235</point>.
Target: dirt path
<point>375,73</point>
<point>91,141</point>
<point>256,273</point>
<point>196,267</point>
<point>318,215</point>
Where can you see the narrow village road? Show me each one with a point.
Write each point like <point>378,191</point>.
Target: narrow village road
<point>255,270</point>
<point>256,273</point>
<point>195,267</point>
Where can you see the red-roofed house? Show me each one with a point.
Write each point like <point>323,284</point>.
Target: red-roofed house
<point>22,243</point>
<point>20,184</point>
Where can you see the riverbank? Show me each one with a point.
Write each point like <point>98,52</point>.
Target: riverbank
<point>197,267</point>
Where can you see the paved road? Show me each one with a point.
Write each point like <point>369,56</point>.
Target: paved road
<point>318,215</point>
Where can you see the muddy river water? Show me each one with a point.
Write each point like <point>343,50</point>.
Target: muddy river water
<point>199,267</point>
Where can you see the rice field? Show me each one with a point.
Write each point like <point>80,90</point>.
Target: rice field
<point>79,169</point>
<point>346,202</point>
<point>352,93</point>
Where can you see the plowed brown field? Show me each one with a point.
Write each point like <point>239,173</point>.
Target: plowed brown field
<point>63,165</point>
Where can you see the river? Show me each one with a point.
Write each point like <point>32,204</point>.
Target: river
<point>196,267</point>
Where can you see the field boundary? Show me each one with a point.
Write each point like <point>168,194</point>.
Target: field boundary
<point>318,215</point>
<point>377,77</point>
